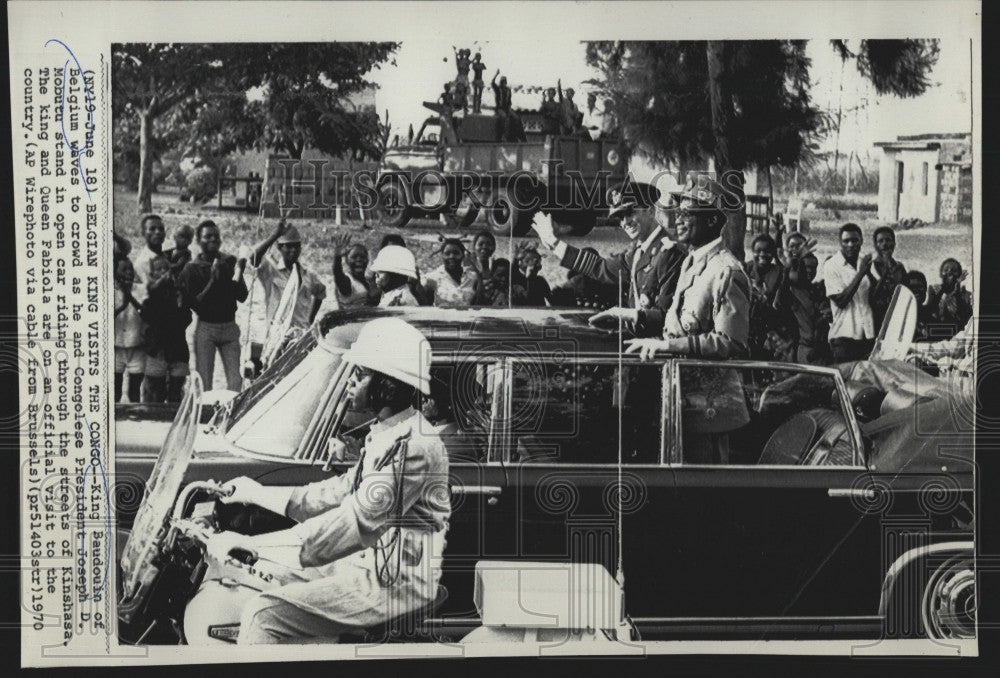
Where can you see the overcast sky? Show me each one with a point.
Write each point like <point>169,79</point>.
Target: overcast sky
<point>423,66</point>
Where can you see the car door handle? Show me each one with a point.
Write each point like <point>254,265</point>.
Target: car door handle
<point>491,491</point>
<point>866,493</point>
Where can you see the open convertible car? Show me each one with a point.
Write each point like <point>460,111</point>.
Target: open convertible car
<point>728,499</point>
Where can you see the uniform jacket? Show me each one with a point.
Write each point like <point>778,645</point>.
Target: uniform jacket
<point>404,461</point>
<point>656,273</point>
<point>710,313</point>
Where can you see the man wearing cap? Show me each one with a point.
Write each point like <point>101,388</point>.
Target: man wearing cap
<point>647,271</point>
<point>370,541</point>
<point>307,292</point>
<point>710,312</point>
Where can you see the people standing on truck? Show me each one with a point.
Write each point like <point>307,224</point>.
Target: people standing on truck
<point>529,265</point>
<point>395,271</point>
<point>154,234</point>
<point>570,116</point>
<point>212,284</point>
<point>502,104</point>
<point>646,272</point>
<point>551,112</point>
<point>845,274</point>
<point>452,284</point>
<point>886,274</point>
<point>709,315</point>
<point>351,287</point>
<point>950,302</point>
<point>285,280</point>
<point>129,354</point>
<point>369,541</point>
<point>477,83</point>
<point>167,353</point>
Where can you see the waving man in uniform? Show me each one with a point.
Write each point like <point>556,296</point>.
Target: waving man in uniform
<point>367,539</point>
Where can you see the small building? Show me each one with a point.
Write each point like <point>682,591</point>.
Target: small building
<point>926,177</point>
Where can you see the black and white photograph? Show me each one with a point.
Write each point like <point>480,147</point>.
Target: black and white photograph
<point>556,342</point>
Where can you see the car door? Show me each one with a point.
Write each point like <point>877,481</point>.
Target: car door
<point>772,528</point>
<point>585,431</point>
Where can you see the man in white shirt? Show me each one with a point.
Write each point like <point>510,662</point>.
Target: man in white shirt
<point>274,276</point>
<point>852,329</point>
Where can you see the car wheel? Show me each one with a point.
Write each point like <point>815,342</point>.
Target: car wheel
<point>506,218</point>
<point>948,607</point>
<point>393,205</point>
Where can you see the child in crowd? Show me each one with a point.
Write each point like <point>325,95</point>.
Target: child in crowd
<point>917,283</point>
<point>766,277</point>
<point>167,319</point>
<point>529,264</point>
<point>395,271</point>
<point>481,259</point>
<point>804,301</point>
<point>129,354</point>
<point>498,290</point>
<point>180,253</point>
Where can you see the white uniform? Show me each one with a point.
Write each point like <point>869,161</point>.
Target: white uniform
<point>347,582</point>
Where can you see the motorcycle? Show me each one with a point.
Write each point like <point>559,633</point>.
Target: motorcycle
<point>173,592</point>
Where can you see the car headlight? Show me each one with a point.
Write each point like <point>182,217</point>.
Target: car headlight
<point>613,157</point>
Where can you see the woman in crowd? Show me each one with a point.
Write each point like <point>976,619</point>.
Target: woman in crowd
<point>950,302</point>
<point>917,283</point>
<point>353,288</point>
<point>483,247</point>
<point>395,271</point>
<point>453,283</point>
<point>886,274</point>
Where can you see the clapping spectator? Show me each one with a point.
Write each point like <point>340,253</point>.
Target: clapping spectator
<point>212,284</point>
<point>950,302</point>
<point>167,319</point>
<point>481,259</point>
<point>886,274</point>
<point>499,290</point>
<point>852,332</point>
<point>129,355</point>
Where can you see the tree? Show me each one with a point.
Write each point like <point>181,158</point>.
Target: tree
<point>152,80</point>
<point>745,104</point>
<point>305,94</point>
<point>209,100</point>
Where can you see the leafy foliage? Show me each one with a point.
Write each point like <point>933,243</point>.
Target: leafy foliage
<point>898,67</point>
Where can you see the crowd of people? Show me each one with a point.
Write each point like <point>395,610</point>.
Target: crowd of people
<point>676,288</point>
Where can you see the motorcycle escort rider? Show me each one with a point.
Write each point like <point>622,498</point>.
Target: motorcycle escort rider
<point>370,540</point>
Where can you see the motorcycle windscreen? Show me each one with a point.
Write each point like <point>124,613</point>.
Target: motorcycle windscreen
<point>896,334</point>
<point>161,490</point>
<point>277,423</point>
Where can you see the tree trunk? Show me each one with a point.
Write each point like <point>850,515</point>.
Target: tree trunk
<point>145,162</point>
<point>721,101</point>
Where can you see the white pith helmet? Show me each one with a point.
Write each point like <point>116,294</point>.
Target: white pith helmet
<point>395,348</point>
<point>395,259</point>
